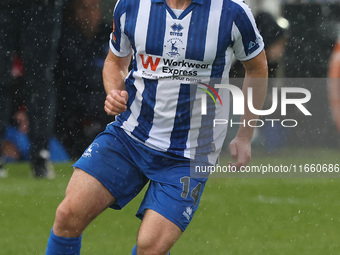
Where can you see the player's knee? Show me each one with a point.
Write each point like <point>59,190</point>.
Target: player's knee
<point>66,219</point>
<point>64,213</point>
<point>150,247</point>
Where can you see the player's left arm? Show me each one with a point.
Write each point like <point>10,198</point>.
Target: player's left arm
<point>255,78</point>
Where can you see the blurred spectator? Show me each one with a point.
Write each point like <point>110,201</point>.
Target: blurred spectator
<point>16,141</point>
<point>31,28</point>
<point>13,141</point>
<point>334,84</point>
<point>82,51</point>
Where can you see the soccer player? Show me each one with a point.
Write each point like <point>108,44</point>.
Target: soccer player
<point>159,133</point>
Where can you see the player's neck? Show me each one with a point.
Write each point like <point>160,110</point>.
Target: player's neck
<point>178,4</point>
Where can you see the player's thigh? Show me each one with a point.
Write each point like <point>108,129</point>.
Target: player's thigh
<point>175,195</point>
<point>156,233</point>
<point>111,160</point>
<point>168,207</point>
<point>85,199</point>
<point>87,193</point>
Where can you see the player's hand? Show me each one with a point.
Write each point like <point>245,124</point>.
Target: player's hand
<point>240,151</point>
<point>115,102</point>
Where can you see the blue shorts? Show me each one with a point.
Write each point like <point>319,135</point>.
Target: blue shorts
<point>124,166</point>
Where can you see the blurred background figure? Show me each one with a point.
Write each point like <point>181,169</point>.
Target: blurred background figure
<point>334,85</point>
<point>31,29</point>
<point>82,51</point>
<point>274,36</point>
<point>16,145</point>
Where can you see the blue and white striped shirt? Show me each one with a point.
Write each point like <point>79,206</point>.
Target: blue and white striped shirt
<point>172,54</point>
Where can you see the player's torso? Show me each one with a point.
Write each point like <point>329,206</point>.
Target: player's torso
<point>172,55</point>
<point>186,46</point>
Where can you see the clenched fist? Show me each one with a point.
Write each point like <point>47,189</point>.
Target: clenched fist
<point>115,102</point>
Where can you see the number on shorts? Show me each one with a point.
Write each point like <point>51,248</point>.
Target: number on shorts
<point>194,193</point>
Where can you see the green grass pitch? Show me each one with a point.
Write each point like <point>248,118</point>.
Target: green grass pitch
<point>236,216</point>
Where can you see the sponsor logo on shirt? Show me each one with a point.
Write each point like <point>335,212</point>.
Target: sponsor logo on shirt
<point>170,67</point>
<point>148,61</point>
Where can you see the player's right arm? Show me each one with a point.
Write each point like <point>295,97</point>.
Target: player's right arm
<point>114,72</point>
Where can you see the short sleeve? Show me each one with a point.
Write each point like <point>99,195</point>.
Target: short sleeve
<point>119,42</point>
<point>247,41</point>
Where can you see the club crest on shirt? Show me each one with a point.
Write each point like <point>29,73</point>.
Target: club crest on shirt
<point>88,152</point>
<point>174,47</point>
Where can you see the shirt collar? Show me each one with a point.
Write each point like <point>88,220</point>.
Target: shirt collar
<point>200,2</point>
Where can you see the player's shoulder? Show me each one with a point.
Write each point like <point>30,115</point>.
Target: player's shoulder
<point>237,8</point>
<point>237,4</point>
<point>127,3</point>
<point>127,6</point>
